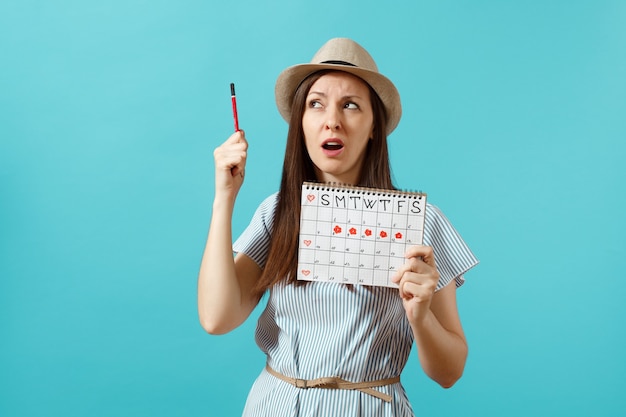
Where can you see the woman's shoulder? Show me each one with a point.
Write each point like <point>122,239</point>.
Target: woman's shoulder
<point>270,201</point>
<point>435,220</point>
<point>268,205</point>
<point>434,215</point>
<point>265,210</point>
<point>452,254</point>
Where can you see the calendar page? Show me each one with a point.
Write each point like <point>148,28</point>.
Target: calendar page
<point>356,235</point>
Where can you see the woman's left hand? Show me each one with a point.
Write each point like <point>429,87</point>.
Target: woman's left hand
<point>417,280</point>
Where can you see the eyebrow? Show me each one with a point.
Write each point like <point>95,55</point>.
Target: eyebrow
<point>352,96</point>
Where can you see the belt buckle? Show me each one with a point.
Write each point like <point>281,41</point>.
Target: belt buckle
<point>301,383</point>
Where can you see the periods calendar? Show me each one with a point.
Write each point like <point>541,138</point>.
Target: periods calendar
<point>356,235</point>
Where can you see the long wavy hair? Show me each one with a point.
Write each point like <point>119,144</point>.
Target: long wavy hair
<point>282,261</point>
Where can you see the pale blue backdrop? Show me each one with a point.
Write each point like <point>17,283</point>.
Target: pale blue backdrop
<point>514,124</point>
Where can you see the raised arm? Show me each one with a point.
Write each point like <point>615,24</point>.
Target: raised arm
<point>225,283</point>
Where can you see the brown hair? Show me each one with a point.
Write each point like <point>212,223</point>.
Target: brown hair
<point>282,261</point>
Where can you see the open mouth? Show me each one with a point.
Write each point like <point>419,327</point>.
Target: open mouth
<point>333,145</point>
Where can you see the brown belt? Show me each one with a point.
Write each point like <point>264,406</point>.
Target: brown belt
<point>334,382</point>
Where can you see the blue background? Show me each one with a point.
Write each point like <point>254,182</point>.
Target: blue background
<point>514,124</point>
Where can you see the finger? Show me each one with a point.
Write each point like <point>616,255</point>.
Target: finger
<point>229,148</point>
<point>409,289</point>
<point>407,267</point>
<point>422,280</point>
<point>238,169</point>
<point>397,276</point>
<point>235,146</point>
<point>416,265</point>
<point>229,159</point>
<point>238,136</point>
<point>426,253</point>
<point>420,287</point>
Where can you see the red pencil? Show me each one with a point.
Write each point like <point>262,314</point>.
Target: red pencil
<point>234,101</point>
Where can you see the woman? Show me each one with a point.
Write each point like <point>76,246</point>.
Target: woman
<point>332,349</point>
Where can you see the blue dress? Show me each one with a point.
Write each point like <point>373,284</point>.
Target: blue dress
<point>321,329</point>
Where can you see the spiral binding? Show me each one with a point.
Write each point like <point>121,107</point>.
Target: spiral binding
<point>381,192</point>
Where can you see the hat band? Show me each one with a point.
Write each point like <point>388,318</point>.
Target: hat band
<point>332,62</point>
<point>338,63</point>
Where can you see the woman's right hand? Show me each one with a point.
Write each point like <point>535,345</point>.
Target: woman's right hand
<point>230,162</point>
<point>225,284</point>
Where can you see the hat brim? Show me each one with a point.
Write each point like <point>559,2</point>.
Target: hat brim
<point>289,80</point>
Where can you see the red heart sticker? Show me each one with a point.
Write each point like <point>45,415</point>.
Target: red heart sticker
<point>310,197</point>
<point>305,272</point>
<point>307,242</point>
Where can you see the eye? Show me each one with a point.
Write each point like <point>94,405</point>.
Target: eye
<point>315,104</point>
<point>351,105</point>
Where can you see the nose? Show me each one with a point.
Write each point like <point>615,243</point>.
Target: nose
<point>333,118</point>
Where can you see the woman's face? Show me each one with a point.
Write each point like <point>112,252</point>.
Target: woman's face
<point>338,122</point>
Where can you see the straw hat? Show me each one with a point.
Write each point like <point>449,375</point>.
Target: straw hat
<point>345,55</point>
